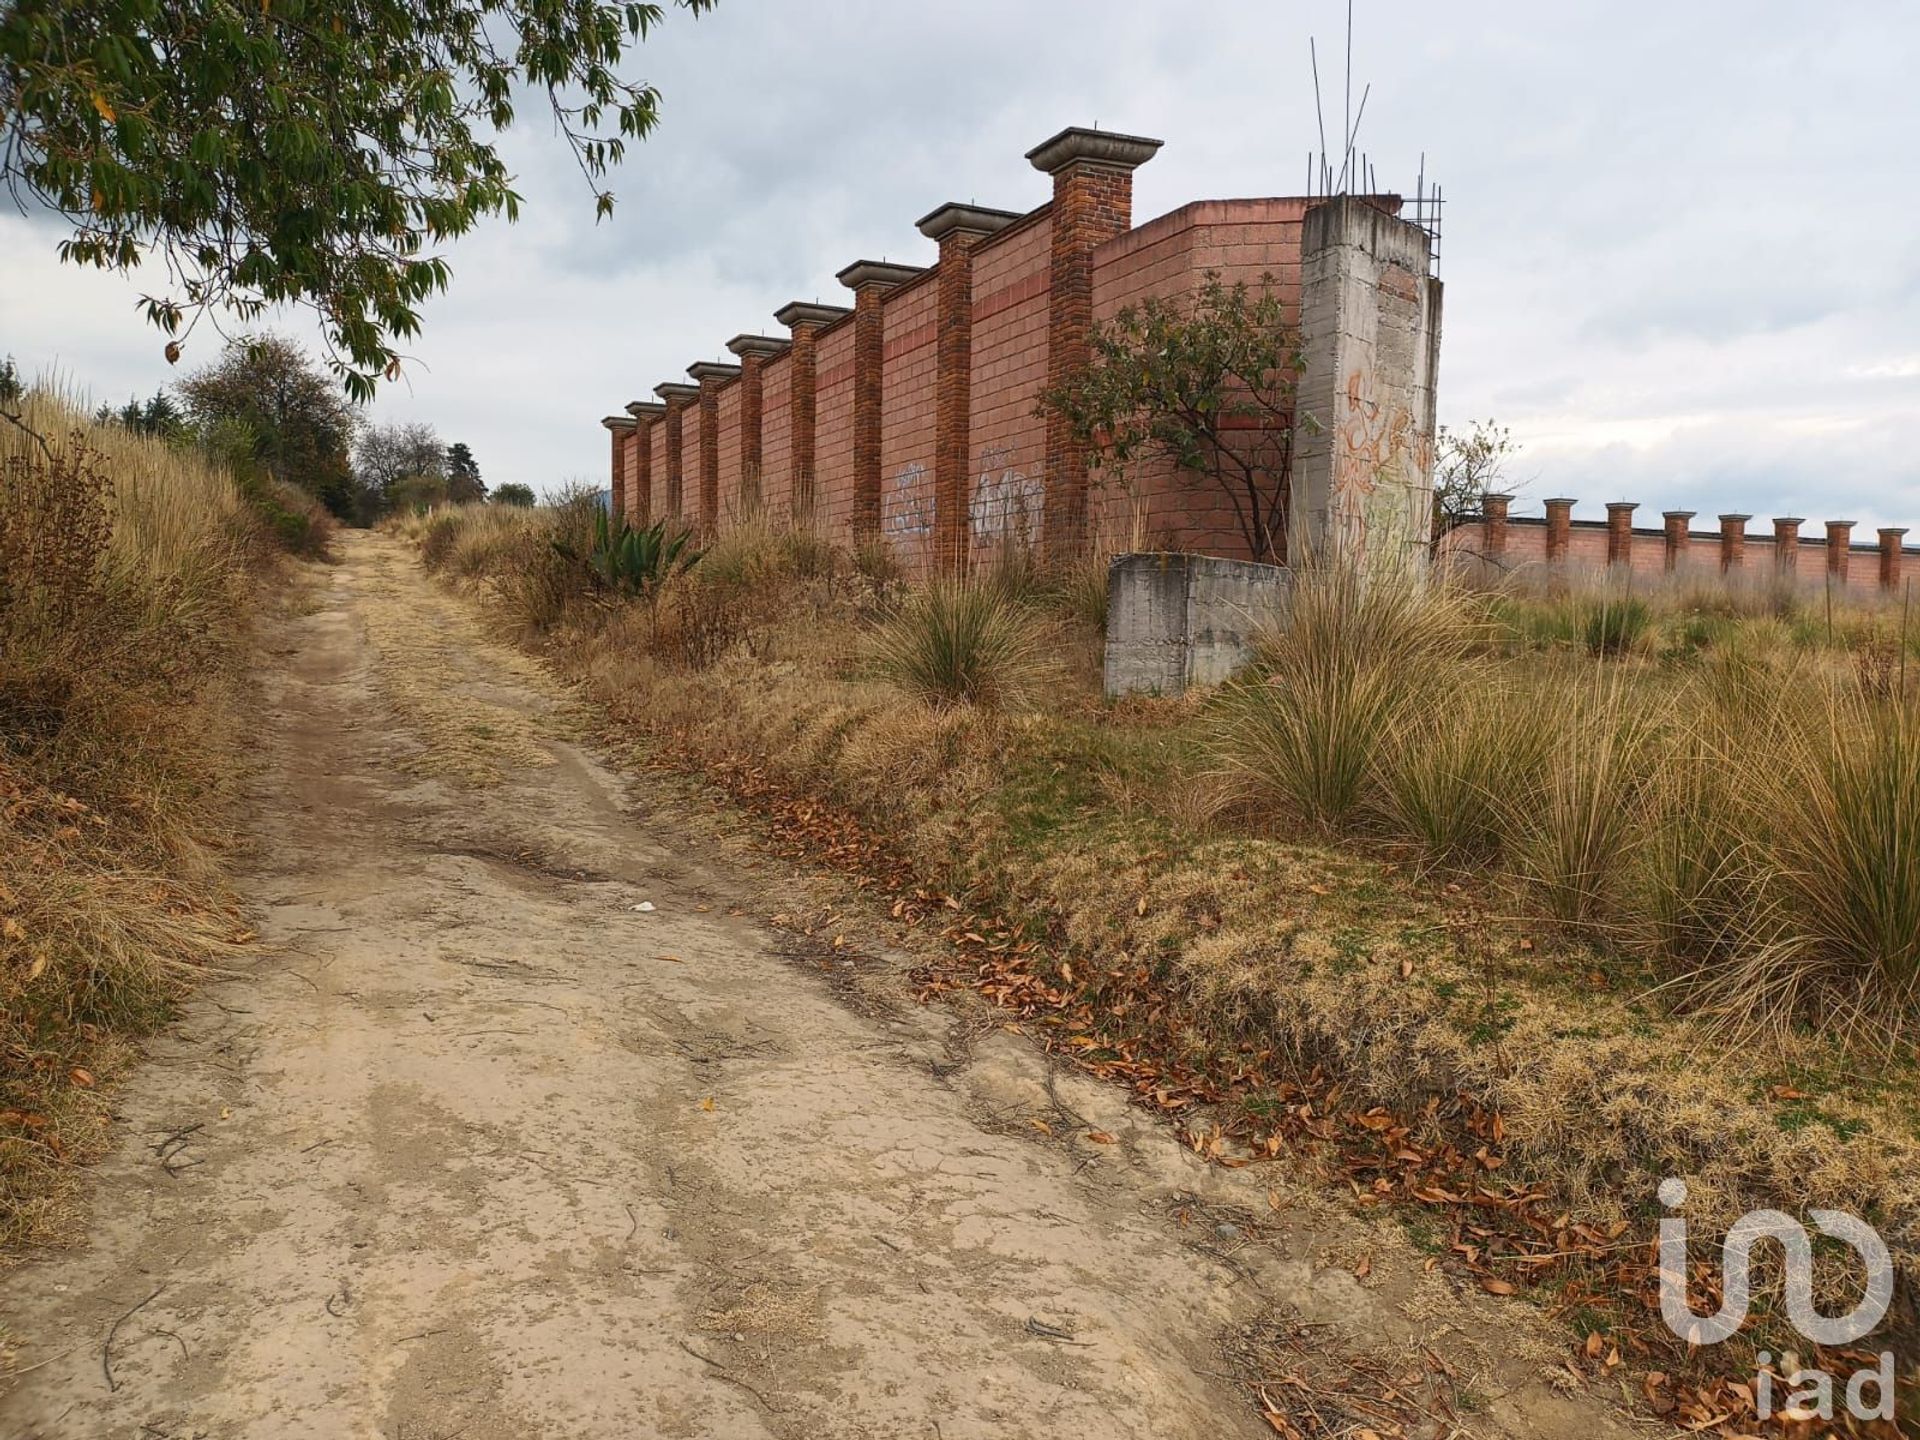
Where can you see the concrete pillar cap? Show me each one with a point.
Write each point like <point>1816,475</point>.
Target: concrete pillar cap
<point>645,409</point>
<point>1893,530</point>
<point>618,422</point>
<point>1557,500</point>
<point>712,370</point>
<point>1679,514</point>
<point>805,312</point>
<point>1841,524</point>
<point>1077,143</point>
<point>671,390</point>
<point>955,218</point>
<point>1731,519</point>
<point>1789,519</point>
<point>1623,504</point>
<point>862,273</point>
<point>1498,495</point>
<point>744,345</point>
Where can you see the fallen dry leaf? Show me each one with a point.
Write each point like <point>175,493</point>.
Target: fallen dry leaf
<point>707,1104</point>
<point>1100,1137</point>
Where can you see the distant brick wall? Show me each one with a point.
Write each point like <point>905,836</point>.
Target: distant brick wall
<point>1498,546</point>
<point>1021,291</point>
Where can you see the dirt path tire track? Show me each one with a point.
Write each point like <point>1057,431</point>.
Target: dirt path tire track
<point>480,1150</point>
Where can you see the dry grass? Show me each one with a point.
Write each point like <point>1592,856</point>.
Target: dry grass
<point>1249,850</point>
<point>129,568</point>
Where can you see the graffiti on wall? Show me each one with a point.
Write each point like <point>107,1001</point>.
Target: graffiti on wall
<point>906,507</point>
<point>1007,505</point>
<point>1380,461</point>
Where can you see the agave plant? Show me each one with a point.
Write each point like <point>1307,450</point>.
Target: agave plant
<point>633,562</point>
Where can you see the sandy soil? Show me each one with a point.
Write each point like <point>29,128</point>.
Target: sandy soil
<point>481,1149</point>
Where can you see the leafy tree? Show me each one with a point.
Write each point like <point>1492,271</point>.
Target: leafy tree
<point>158,416</point>
<point>513,493</point>
<point>300,152</point>
<point>389,455</point>
<point>464,484</point>
<point>266,392</point>
<point>11,386</point>
<point>1468,466</point>
<point>1209,386</point>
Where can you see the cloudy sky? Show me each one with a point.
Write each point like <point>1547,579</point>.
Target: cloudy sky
<point>1682,244</point>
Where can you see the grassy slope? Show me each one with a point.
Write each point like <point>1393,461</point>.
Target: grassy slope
<point>129,568</point>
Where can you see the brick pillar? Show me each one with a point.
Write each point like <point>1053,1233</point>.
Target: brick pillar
<point>956,229</point>
<point>677,398</point>
<point>1733,541</point>
<point>805,321</point>
<point>1493,525</point>
<point>712,376</point>
<point>620,433</point>
<point>870,280</point>
<point>1890,556</point>
<point>646,414</point>
<point>1559,530</point>
<point>1839,549</point>
<point>1679,537</point>
<point>1620,532</point>
<point>1786,545</point>
<point>754,352</point>
<point>1092,202</point>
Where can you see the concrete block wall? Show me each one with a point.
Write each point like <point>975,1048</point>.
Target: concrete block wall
<point>910,414</point>
<point>1557,548</point>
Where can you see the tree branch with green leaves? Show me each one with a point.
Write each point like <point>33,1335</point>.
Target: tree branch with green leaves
<point>1207,382</point>
<point>270,152</point>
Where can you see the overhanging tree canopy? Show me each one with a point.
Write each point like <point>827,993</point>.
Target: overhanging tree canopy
<point>294,151</point>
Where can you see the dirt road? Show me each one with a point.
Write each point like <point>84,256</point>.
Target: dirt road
<point>485,1148</point>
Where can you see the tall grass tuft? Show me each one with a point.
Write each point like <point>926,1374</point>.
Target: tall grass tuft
<point>1571,836</point>
<point>1351,658</point>
<point>1843,858</point>
<point>1448,765</point>
<point>1614,624</point>
<point>961,642</point>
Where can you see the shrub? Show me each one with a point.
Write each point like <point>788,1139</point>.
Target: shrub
<point>960,642</point>
<point>514,494</point>
<point>630,562</point>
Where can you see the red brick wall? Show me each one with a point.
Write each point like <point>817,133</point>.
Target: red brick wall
<point>1007,441</point>
<point>833,432</point>
<point>908,411</point>
<point>1155,506</point>
<point>776,431</point>
<point>729,445</point>
<point>657,464</point>
<point>1009,449</point>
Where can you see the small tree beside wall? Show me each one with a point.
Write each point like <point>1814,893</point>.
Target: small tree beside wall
<point>1207,382</point>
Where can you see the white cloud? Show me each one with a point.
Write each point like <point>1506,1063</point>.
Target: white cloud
<point>1679,258</point>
